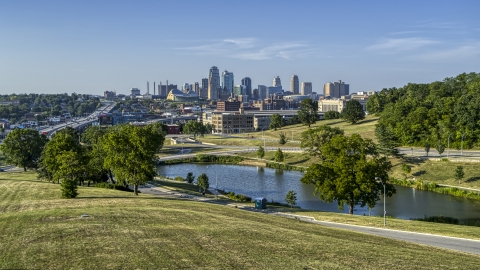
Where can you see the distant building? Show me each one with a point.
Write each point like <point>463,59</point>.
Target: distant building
<point>177,95</point>
<point>276,81</point>
<point>204,83</point>
<point>271,90</point>
<point>307,88</point>
<point>239,90</point>
<point>326,105</point>
<point>227,81</point>
<point>248,84</point>
<point>213,83</point>
<point>223,106</point>
<point>109,95</point>
<point>262,91</point>
<point>134,92</point>
<point>294,85</point>
<point>232,122</point>
<point>336,89</point>
<point>173,129</point>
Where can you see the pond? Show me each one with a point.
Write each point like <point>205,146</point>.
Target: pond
<point>273,184</point>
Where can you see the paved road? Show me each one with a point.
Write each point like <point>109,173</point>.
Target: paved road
<point>446,242</point>
<point>452,243</point>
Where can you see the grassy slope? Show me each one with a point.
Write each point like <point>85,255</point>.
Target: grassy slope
<point>41,230</point>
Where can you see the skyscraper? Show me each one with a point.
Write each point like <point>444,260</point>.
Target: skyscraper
<point>306,88</point>
<point>213,83</point>
<point>294,84</point>
<point>227,81</point>
<point>205,83</point>
<point>262,91</point>
<point>276,81</point>
<point>336,89</point>
<point>248,84</point>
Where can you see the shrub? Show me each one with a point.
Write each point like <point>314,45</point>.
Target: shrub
<point>113,186</point>
<point>179,178</point>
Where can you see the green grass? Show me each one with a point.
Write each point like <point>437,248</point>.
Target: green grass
<point>365,128</point>
<point>440,172</point>
<point>39,230</point>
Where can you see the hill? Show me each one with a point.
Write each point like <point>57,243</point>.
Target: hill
<point>41,230</point>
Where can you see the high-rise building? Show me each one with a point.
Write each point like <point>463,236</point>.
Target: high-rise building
<point>273,89</point>
<point>294,85</point>
<point>227,81</point>
<point>276,81</point>
<point>248,84</point>
<point>239,90</point>
<point>307,88</point>
<point>262,91</point>
<point>186,87</point>
<point>336,89</point>
<point>205,83</point>
<point>213,83</point>
<point>196,87</point>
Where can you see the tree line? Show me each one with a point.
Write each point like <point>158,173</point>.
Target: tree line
<point>127,152</point>
<point>438,114</point>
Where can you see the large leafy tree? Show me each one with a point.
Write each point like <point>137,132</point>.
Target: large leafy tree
<point>195,128</point>
<point>202,182</point>
<point>276,121</point>
<point>314,139</point>
<point>62,142</point>
<point>130,153</point>
<point>23,147</point>
<point>308,112</point>
<point>349,172</point>
<point>70,171</point>
<point>353,111</point>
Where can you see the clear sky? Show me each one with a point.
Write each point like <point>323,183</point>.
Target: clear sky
<point>93,46</point>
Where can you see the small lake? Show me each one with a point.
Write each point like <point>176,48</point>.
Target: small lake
<point>273,184</point>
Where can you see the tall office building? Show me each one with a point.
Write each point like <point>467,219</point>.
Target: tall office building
<point>239,90</point>
<point>306,88</point>
<point>294,85</point>
<point>336,89</point>
<point>262,91</point>
<point>227,81</point>
<point>276,81</point>
<point>205,83</point>
<point>196,88</point>
<point>186,87</point>
<point>248,84</point>
<point>213,83</point>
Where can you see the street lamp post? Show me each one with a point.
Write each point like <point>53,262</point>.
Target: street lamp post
<point>384,210</point>
<point>216,182</point>
<point>462,144</point>
<point>448,144</point>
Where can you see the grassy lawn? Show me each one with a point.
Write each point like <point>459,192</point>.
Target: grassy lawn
<point>365,128</point>
<point>440,172</point>
<point>40,230</point>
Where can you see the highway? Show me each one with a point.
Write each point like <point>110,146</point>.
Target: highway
<point>81,122</point>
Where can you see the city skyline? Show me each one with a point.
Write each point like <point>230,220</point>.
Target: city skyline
<point>92,47</point>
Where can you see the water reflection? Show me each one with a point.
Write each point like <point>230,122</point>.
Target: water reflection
<point>273,184</point>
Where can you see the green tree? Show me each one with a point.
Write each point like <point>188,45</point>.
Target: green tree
<point>283,138</point>
<point>314,139</point>
<point>190,178</point>
<point>331,115</point>
<point>23,148</point>
<point>349,171</point>
<point>406,169</point>
<point>459,174</point>
<point>353,111</point>
<point>260,152</point>
<point>291,198</point>
<point>71,168</point>
<point>202,182</point>
<point>279,156</point>
<point>276,121</point>
<point>308,112</point>
<point>426,146</point>
<point>195,128</point>
<point>63,141</point>
<point>440,147</point>
<point>387,140</point>
<point>131,153</point>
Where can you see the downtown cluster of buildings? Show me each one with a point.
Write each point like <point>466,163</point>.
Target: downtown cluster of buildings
<point>235,108</point>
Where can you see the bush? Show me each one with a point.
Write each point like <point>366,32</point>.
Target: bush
<point>179,178</point>
<point>238,197</point>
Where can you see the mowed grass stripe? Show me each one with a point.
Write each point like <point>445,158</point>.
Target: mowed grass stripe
<point>148,232</point>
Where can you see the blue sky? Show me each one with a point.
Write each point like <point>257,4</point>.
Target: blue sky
<point>94,46</point>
